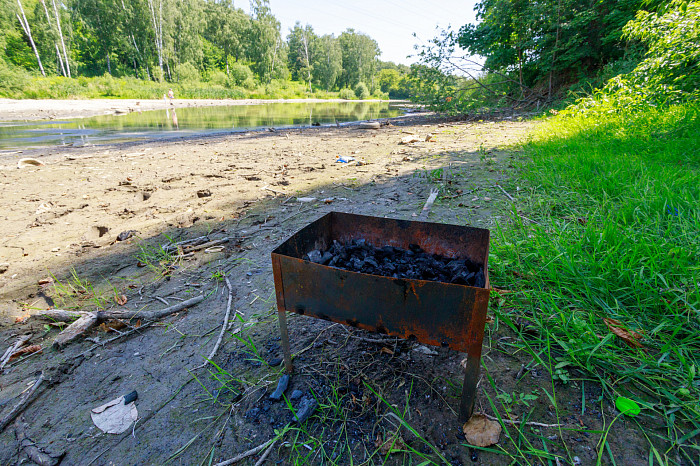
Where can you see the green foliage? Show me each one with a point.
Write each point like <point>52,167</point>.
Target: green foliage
<point>615,199</point>
<point>302,52</point>
<point>327,62</point>
<point>218,78</point>
<point>187,73</point>
<point>361,91</point>
<point>241,75</point>
<point>176,42</point>
<point>346,94</point>
<point>560,40</point>
<point>360,54</point>
<point>670,71</point>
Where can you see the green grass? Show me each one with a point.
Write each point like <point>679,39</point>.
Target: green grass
<point>615,200</point>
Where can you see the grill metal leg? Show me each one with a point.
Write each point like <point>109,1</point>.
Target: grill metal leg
<point>471,376</point>
<point>284,333</point>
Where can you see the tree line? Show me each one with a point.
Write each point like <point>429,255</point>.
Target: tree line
<point>187,40</point>
<point>535,52</point>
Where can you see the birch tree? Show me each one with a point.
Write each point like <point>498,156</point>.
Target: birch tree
<point>28,31</point>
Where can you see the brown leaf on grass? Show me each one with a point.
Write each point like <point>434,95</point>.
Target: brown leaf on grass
<point>26,350</point>
<point>630,337</point>
<point>393,444</point>
<point>480,431</point>
<point>386,350</point>
<point>121,299</point>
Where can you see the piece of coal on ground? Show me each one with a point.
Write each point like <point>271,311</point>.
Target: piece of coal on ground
<point>388,261</point>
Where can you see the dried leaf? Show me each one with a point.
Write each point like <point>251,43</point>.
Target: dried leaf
<point>630,337</point>
<point>480,431</point>
<point>121,299</point>
<point>45,281</point>
<point>26,350</point>
<point>112,325</point>
<point>23,317</point>
<point>393,444</point>
<point>386,350</point>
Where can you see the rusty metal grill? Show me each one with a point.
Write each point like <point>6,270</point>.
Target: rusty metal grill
<point>433,313</point>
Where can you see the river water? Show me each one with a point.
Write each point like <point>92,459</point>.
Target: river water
<point>185,121</point>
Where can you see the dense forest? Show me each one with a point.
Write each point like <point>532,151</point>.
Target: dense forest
<point>192,42</point>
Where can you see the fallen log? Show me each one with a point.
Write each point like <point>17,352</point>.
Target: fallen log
<point>89,319</point>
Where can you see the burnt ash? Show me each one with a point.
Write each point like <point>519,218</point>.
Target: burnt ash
<point>388,261</point>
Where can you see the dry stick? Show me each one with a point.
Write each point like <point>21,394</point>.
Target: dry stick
<point>23,403</point>
<point>90,319</point>
<point>14,347</point>
<point>223,327</point>
<point>535,424</point>
<point>246,454</point>
<point>428,205</point>
<point>206,245</point>
<point>30,448</point>
<point>267,188</point>
<point>266,454</point>
<point>506,193</point>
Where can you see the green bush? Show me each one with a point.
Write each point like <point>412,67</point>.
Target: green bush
<point>186,73</point>
<point>241,75</point>
<point>346,94</point>
<point>12,80</point>
<point>218,78</point>
<point>361,91</point>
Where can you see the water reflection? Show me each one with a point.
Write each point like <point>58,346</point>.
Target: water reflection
<point>186,121</point>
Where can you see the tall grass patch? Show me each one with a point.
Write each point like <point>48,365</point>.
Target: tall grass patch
<point>610,229</point>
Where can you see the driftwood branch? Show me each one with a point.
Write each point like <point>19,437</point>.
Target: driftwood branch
<point>14,347</point>
<point>90,319</point>
<point>25,400</point>
<point>30,448</point>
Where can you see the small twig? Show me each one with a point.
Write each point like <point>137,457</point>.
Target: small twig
<point>376,340</point>
<point>23,403</point>
<point>266,454</point>
<point>267,188</point>
<point>246,454</point>
<point>223,327</point>
<point>162,300</point>
<point>528,219</point>
<point>505,192</point>
<point>206,245</point>
<point>515,423</point>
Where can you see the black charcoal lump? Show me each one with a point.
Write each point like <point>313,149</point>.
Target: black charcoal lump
<point>388,261</point>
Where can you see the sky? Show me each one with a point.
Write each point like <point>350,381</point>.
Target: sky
<point>390,22</point>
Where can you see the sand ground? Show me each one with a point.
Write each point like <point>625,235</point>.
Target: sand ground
<point>59,228</point>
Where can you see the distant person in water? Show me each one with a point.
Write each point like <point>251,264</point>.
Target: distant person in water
<point>171,95</point>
